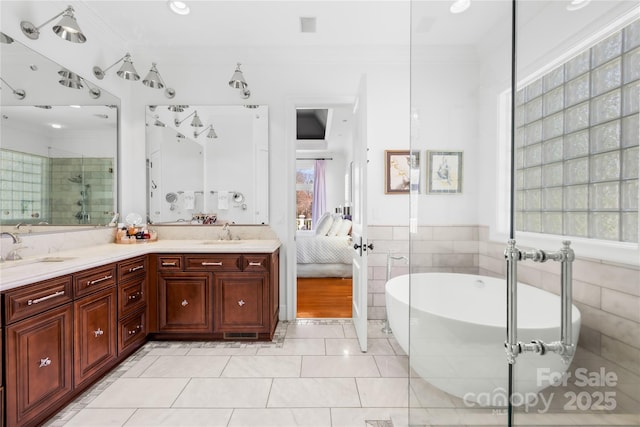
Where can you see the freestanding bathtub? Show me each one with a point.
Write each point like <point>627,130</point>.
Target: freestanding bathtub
<point>454,332</point>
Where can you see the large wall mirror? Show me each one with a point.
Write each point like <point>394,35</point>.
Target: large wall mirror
<point>207,164</point>
<point>58,153</point>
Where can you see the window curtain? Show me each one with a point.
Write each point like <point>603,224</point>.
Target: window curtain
<point>319,204</point>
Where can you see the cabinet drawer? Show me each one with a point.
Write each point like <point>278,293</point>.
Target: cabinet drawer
<point>131,296</point>
<point>169,262</point>
<point>95,279</point>
<point>133,329</point>
<point>213,262</point>
<point>257,262</point>
<point>33,299</point>
<point>132,268</point>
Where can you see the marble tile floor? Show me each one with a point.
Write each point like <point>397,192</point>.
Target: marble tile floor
<point>312,374</point>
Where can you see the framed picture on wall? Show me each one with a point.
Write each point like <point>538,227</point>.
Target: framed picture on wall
<point>402,171</point>
<point>444,172</point>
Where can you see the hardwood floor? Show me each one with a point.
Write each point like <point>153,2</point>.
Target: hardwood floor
<point>320,297</point>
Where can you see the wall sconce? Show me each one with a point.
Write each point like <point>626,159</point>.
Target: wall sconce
<point>5,38</point>
<point>238,82</point>
<point>177,108</point>
<point>211,135</point>
<point>74,81</point>
<point>67,28</point>
<point>126,71</point>
<point>196,122</point>
<point>19,93</point>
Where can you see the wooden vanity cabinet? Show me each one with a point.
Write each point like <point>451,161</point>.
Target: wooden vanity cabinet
<point>132,304</point>
<point>39,363</point>
<point>184,302</point>
<point>95,338</point>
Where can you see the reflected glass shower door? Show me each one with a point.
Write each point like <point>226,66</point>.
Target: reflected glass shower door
<point>460,71</point>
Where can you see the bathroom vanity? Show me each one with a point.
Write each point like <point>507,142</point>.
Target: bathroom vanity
<point>85,313</point>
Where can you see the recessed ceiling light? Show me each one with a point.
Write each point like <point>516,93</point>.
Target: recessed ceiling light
<point>179,7</point>
<point>577,4</point>
<point>56,126</point>
<point>460,6</point>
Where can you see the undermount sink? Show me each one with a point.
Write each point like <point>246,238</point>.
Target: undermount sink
<point>222,242</point>
<point>56,258</point>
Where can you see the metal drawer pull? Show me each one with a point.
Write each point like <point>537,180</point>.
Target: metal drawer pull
<point>37,300</point>
<point>136,295</point>
<point>257,264</point>
<point>93,282</point>
<point>185,303</point>
<point>44,362</point>
<point>134,331</point>
<point>212,263</point>
<point>241,303</point>
<point>140,267</point>
<point>98,333</point>
<point>169,264</point>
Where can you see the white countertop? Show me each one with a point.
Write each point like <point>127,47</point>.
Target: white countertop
<point>31,270</point>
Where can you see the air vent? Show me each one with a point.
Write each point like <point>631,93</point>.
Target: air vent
<point>307,24</point>
<point>241,336</point>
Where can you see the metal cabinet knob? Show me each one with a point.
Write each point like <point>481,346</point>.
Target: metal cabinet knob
<point>185,303</point>
<point>241,303</point>
<point>98,333</point>
<point>44,362</point>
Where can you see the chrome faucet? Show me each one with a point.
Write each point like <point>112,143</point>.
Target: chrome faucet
<point>226,232</point>
<point>15,238</point>
<point>13,255</point>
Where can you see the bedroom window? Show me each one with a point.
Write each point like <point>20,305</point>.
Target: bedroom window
<point>305,171</point>
<point>577,144</point>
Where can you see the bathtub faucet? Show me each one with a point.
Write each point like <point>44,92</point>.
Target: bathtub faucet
<point>564,347</point>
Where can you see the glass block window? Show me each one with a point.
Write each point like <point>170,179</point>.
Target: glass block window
<point>577,137</point>
<point>24,183</point>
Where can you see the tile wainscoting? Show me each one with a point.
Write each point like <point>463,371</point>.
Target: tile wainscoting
<point>607,294</point>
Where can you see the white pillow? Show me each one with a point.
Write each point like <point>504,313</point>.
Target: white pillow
<point>324,224</point>
<point>345,228</point>
<point>333,231</point>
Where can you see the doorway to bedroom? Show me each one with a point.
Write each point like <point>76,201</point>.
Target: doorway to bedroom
<point>323,203</point>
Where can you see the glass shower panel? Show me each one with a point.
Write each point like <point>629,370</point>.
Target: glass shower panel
<point>582,369</point>
<point>460,75</point>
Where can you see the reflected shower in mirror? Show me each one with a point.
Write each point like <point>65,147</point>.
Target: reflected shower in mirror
<point>59,145</point>
<point>207,164</point>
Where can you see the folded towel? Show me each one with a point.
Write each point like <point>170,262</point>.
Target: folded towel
<point>223,199</point>
<point>189,199</point>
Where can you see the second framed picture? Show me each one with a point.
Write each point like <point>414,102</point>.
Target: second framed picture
<point>444,172</point>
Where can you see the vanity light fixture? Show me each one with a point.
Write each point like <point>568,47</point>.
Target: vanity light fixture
<point>195,122</point>
<point>126,71</point>
<point>211,135</point>
<point>177,108</point>
<point>74,81</point>
<point>19,93</point>
<point>5,38</point>
<point>238,82</point>
<point>67,28</point>
<point>153,78</point>
<point>460,6</point>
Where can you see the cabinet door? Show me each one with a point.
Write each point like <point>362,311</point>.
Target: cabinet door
<point>184,302</point>
<point>95,334</point>
<point>39,362</point>
<point>241,302</point>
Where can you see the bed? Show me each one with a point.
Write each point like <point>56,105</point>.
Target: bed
<point>326,251</point>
